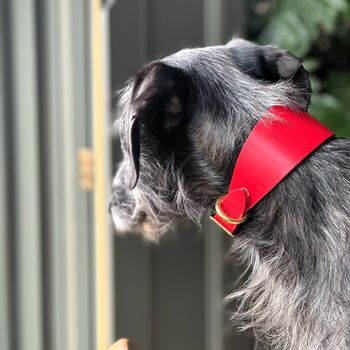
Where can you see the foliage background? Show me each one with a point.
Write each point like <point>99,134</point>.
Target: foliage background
<point>319,32</point>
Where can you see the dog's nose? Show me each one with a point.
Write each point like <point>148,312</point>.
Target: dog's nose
<point>144,223</point>
<point>142,215</point>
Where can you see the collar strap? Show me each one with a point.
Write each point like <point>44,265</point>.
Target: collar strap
<point>278,143</point>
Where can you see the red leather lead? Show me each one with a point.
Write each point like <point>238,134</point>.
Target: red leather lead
<point>277,144</point>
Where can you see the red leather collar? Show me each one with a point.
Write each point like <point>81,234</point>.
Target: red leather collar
<point>278,143</point>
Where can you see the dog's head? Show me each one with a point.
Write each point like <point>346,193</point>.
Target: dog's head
<point>182,122</point>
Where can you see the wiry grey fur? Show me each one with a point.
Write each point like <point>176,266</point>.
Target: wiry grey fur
<point>296,241</point>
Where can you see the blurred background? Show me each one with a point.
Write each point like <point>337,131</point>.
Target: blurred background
<point>67,281</point>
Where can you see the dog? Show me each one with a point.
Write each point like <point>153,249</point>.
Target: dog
<point>183,120</point>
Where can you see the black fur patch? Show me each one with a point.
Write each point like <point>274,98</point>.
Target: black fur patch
<point>271,64</point>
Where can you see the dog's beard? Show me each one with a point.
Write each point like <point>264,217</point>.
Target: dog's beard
<point>154,211</point>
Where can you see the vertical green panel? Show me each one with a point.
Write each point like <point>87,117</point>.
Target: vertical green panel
<point>213,22</point>
<point>65,116</point>
<point>69,170</point>
<point>4,278</point>
<point>81,120</point>
<point>213,33</point>
<point>53,162</point>
<point>27,180</point>
<point>213,286</point>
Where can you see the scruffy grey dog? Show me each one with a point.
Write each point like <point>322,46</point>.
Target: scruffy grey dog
<point>183,120</point>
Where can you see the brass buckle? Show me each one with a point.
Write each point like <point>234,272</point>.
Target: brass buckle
<point>225,217</point>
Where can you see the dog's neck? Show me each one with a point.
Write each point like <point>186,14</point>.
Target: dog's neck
<point>297,296</point>
<point>278,143</point>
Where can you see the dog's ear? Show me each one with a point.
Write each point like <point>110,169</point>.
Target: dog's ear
<point>159,103</point>
<point>270,64</point>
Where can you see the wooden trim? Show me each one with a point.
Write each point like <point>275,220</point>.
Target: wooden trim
<point>99,145</point>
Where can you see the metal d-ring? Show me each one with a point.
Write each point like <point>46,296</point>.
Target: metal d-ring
<point>226,217</point>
